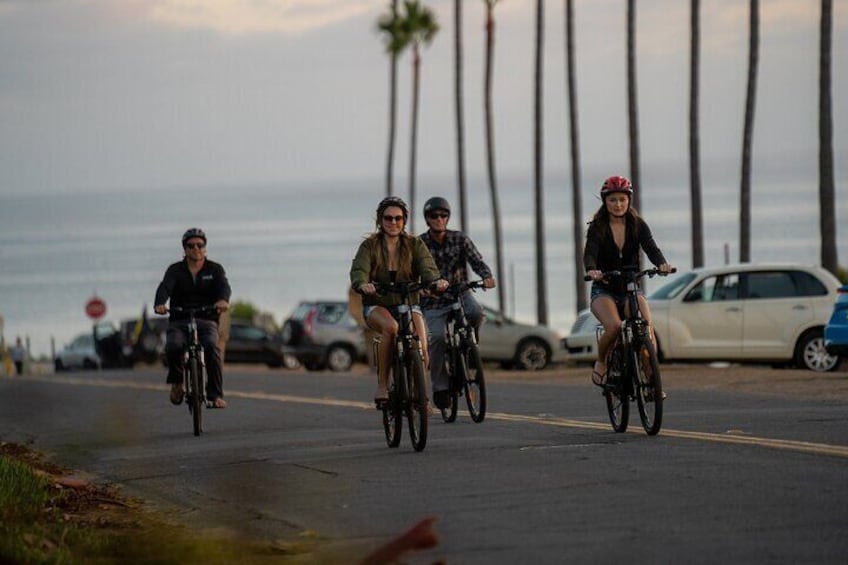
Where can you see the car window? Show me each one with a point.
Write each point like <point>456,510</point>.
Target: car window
<point>771,284</point>
<point>808,285</point>
<point>331,313</point>
<point>246,332</point>
<point>673,287</point>
<point>715,289</point>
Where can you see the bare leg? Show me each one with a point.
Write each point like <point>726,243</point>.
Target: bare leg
<point>605,310</point>
<point>421,330</point>
<point>381,321</point>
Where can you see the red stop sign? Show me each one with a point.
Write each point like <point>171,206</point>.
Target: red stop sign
<point>95,308</point>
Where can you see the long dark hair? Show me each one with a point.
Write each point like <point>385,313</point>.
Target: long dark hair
<point>601,219</point>
<point>380,250</point>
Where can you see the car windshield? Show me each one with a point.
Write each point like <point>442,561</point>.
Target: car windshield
<point>673,287</point>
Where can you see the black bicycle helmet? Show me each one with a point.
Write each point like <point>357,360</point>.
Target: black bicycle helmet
<point>193,232</point>
<point>392,201</point>
<point>436,203</point>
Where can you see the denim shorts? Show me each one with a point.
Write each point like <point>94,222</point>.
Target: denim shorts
<point>366,310</point>
<point>618,298</point>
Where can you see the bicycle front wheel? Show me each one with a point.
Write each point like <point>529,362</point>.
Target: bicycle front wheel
<point>195,402</point>
<point>475,383</point>
<point>392,409</point>
<point>416,406</point>
<point>615,391</point>
<point>453,367</point>
<point>649,395</point>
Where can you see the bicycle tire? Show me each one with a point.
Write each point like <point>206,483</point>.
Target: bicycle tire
<point>648,385</point>
<point>196,396</point>
<point>615,391</point>
<point>451,365</point>
<point>393,408</point>
<point>417,402</point>
<point>474,383</point>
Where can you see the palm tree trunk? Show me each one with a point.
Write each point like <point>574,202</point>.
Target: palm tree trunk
<point>416,65</point>
<point>490,156</point>
<point>390,161</point>
<point>747,138</point>
<point>460,118</point>
<point>827,203</point>
<point>632,104</point>
<point>694,138</point>
<point>541,285</point>
<point>576,203</point>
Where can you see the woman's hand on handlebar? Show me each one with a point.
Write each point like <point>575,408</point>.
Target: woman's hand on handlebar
<point>368,288</point>
<point>595,275</point>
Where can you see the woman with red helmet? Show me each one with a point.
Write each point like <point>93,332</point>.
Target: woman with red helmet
<point>614,239</point>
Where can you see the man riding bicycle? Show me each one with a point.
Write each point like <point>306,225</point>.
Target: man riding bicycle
<point>194,282</point>
<point>453,251</point>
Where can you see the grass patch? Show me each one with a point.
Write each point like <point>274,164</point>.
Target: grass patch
<point>51,518</point>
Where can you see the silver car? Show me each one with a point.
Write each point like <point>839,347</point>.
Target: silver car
<point>522,346</point>
<point>323,334</point>
<point>772,313</point>
<point>79,354</point>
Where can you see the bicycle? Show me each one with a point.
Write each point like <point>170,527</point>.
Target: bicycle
<point>194,374</point>
<point>407,385</point>
<point>633,371</point>
<point>462,357</point>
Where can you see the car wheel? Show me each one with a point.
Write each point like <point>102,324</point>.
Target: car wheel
<point>532,355</point>
<point>811,354</point>
<point>290,361</point>
<point>339,358</point>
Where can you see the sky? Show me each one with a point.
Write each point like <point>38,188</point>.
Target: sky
<point>99,95</point>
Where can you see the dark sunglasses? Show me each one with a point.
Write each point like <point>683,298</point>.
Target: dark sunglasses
<point>395,219</point>
<point>439,215</point>
<point>195,245</point>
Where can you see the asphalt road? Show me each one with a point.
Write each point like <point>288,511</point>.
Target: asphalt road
<point>744,471</point>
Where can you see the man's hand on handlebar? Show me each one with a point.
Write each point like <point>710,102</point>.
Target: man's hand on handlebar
<point>222,306</point>
<point>489,282</point>
<point>160,309</point>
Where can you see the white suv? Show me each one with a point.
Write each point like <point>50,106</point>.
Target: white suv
<point>772,313</point>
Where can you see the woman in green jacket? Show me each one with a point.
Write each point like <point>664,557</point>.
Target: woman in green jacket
<point>391,254</point>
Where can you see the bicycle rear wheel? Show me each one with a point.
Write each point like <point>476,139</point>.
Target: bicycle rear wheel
<point>416,406</point>
<point>195,397</point>
<point>449,413</point>
<point>475,383</point>
<point>615,391</point>
<point>649,397</point>
<point>392,409</point>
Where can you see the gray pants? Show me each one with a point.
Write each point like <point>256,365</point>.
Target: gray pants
<point>436,321</point>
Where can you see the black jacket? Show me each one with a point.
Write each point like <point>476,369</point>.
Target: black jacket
<point>602,253</point>
<point>210,286</point>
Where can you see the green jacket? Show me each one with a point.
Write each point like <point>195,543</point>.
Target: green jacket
<point>423,269</point>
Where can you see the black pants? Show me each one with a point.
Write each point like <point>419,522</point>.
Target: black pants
<point>207,333</point>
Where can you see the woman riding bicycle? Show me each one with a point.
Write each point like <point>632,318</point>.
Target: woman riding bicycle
<point>613,240</point>
<point>389,255</point>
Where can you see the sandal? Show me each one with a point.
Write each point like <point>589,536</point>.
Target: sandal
<point>217,403</point>
<point>598,378</point>
<point>177,393</point>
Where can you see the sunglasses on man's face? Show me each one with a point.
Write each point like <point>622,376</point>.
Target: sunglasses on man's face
<point>393,219</point>
<point>439,216</point>
<point>195,245</point>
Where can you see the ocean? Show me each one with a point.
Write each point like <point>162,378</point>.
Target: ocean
<point>282,244</point>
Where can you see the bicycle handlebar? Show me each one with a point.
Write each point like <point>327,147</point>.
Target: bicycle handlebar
<point>459,288</point>
<point>399,287</point>
<point>193,309</point>
<point>634,274</point>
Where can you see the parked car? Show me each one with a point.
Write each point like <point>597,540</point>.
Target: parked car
<point>143,339</point>
<point>836,330</point>
<point>78,354</point>
<point>251,344</point>
<point>323,334</point>
<point>767,313</point>
<point>521,346</point>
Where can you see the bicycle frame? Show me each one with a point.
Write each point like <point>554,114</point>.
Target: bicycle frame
<point>194,367</point>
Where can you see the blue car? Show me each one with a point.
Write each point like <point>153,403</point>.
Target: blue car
<point>836,330</point>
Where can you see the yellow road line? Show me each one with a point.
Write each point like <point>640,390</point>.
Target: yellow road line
<point>546,420</point>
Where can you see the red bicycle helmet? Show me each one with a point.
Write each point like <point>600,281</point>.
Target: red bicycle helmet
<point>616,184</point>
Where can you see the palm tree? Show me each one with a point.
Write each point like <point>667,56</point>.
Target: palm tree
<point>460,119</point>
<point>632,105</point>
<point>576,208</point>
<point>416,26</point>
<point>827,204</point>
<point>694,138</point>
<point>747,138</point>
<point>386,24</point>
<point>541,286</point>
<point>490,153</point>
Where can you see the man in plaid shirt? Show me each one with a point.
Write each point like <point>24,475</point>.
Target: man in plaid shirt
<point>453,251</point>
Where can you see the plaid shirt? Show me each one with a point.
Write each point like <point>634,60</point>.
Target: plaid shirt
<point>452,257</point>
